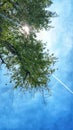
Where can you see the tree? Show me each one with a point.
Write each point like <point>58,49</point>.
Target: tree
<point>22,53</point>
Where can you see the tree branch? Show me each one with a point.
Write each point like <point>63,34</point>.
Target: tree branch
<point>3,62</point>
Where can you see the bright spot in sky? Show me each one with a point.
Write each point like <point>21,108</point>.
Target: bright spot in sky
<point>25,29</point>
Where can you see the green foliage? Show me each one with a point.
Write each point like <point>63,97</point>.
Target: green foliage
<point>34,13</point>
<point>25,56</point>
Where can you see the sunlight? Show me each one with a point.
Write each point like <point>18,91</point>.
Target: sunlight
<point>25,30</point>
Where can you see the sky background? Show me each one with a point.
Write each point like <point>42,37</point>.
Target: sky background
<point>19,111</point>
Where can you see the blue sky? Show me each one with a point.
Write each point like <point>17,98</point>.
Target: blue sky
<point>20,112</point>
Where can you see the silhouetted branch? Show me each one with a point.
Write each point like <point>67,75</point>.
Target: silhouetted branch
<point>3,62</point>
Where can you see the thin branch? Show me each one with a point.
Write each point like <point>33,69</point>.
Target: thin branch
<point>3,62</point>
